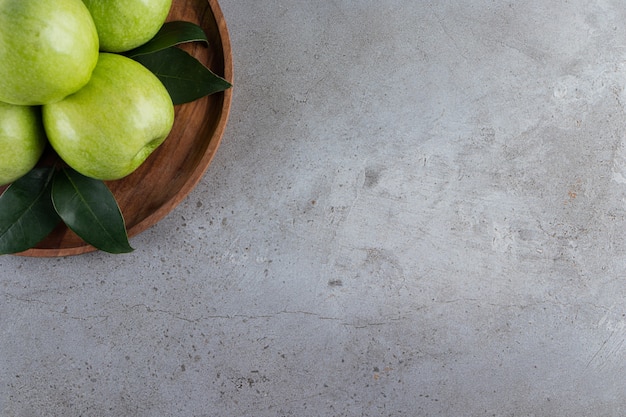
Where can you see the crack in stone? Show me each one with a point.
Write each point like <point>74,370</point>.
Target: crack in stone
<point>340,320</point>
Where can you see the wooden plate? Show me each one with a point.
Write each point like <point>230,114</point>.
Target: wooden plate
<point>174,169</point>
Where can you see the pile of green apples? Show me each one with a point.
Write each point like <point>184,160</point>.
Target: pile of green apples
<point>64,81</point>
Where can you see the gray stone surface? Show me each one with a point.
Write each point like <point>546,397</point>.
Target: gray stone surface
<point>418,209</point>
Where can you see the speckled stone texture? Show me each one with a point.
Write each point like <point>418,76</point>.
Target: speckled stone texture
<point>418,209</point>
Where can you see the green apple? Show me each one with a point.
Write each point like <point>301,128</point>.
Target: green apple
<point>48,49</point>
<point>109,127</point>
<point>126,24</point>
<point>22,140</point>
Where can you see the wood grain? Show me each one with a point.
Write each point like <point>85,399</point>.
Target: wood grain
<point>175,168</point>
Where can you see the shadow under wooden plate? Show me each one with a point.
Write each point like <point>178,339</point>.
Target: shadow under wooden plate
<point>175,168</point>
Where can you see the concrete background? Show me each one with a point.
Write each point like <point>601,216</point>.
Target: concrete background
<point>418,209</point>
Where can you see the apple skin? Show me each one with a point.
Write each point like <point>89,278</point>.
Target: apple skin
<point>126,24</point>
<point>108,128</point>
<point>22,140</point>
<point>48,49</point>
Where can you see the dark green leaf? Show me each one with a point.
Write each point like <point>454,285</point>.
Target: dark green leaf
<point>88,207</point>
<point>170,34</point>
<point>185,78</point>
<point>26,212</point>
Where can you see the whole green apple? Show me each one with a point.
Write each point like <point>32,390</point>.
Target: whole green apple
<point>48,49</point>
<point>109,127</point>
<point>126,24</point>
<point>22,140</point>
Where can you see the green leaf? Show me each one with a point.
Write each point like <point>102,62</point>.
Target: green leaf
<point>26,212</point>
<point>88,207</point>
<point>170,34</point>
<point>185,78</point>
